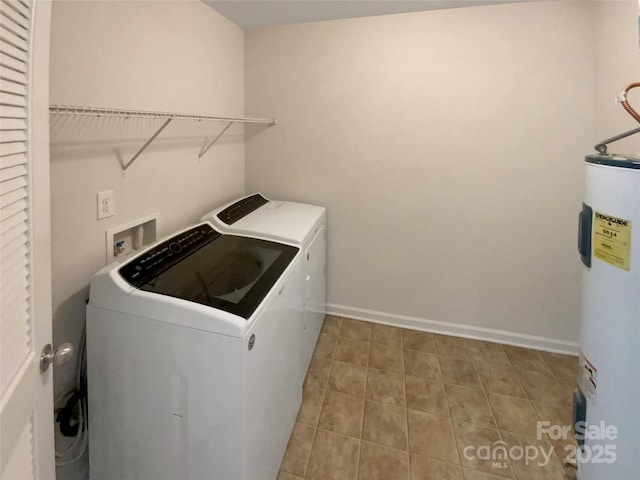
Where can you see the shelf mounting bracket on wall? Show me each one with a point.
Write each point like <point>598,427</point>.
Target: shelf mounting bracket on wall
<point>148,142</point>
<point>206,149</point>
<point>167,116</point>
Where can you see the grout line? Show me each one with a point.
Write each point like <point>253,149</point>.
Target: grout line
<point>453,428</point>
<point>493,412</point>
<point>326,387</point>
<point>364,403</point>
<point>515,372</point>
<point>406,405</point>
<point>532,404</point>
<point>555,375</point>
<point>324,394</point>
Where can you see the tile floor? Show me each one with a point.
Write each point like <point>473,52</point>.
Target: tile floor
<point>383,403</point>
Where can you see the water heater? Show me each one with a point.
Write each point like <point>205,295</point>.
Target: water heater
<point>607,402</point>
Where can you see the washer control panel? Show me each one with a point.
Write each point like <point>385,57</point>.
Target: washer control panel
<point>144,267</point>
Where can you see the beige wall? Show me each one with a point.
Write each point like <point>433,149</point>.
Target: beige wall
<point>448,148</point>
<point>163,56</point>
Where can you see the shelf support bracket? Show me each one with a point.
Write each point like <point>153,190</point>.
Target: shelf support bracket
<point>144,147</point>
<point>206,149</point>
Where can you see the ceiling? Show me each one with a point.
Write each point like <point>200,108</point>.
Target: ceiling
<point>267,13</point>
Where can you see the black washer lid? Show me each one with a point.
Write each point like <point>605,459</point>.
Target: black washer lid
<point>613,160</point>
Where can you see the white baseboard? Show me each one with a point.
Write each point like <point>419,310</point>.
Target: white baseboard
<point>456,329</point>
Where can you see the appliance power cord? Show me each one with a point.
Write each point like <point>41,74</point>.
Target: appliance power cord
<point>64,415</point>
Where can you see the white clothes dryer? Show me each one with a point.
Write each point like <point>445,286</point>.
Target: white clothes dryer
<point>297,223</point>
<point>192,350</point>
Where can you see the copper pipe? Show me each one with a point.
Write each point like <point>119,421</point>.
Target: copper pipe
<point>625,104</point>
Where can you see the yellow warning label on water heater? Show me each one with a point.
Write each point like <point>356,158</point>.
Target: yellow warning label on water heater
<point>612,240</point>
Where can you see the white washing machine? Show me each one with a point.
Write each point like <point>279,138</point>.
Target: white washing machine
<point>192,351</point>
<point>297,223</point>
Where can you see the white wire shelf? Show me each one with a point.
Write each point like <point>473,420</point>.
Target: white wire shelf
<point>168,117</point>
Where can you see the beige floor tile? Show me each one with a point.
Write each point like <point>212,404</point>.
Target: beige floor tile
<point>453,347</point>
<point>426,395</point>
<point>424,468</point>
<point>561,365</point>
<point>326,346</point>
<point>514,414</point>
<point>459,372</point>
<point>500,378</point>
<point>352,350</point>
<point>534,468</point>
<point>312,398</point>
<point>378,462</point>
<point>565,448</point>
<point>385,387</point>
<point>421,364</point>
<point>476,444</point>
<point>334,457</point>
<point>564,368</point>
<point>554,414</point>
<point>385,424</point>
<point>526,359</point>
<point>297,453</point>
<point>420,341</point>
<point>287,476</point>
<point>356,329</point>
<point>568,384</point>
<point>386,335</point>
<point>386,357</point>
<point>331,326</point>
<point>342,414</point>
<point>566,452</point>
<point>543,387</point>
<point>432,436</point>
<point>359,421</point>
<point>476,475</point>
<point>569,389</point>
<point>488,352</point>
<point>347,378</point>
<point>469,405</point>
<point>318,373</point>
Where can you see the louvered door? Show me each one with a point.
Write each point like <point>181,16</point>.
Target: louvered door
<point>26,404</point>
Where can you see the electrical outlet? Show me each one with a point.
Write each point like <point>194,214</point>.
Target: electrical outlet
<point>106,205</point>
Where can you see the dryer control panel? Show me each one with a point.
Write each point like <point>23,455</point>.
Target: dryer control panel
<point>241,208</point>
<point>151,263</point>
